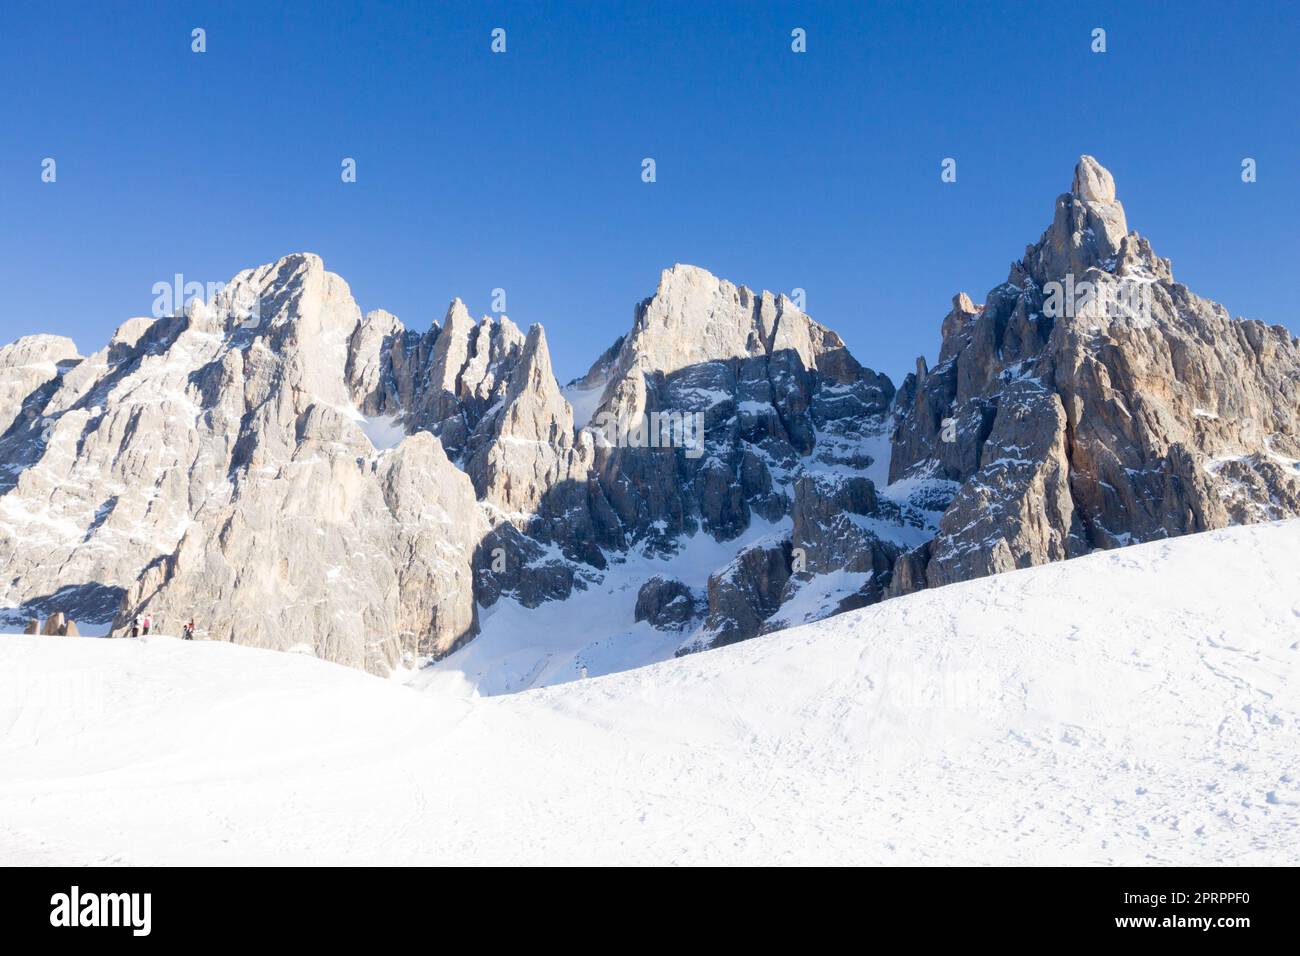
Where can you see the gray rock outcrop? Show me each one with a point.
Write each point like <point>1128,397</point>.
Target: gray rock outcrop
<point>743,595</point>
<point>665,603</point>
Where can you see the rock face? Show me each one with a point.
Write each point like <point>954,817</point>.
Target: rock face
<point>1092,402</point>
<point>717,398</point>
<point>526,460</point>
<point>54,625</point>
<point>699,420</point>
<point>744,594</point>
<point>29,370</point>
<point>715,410</point>
<point>200,466</point>
<point>442,381</point>
<point>311,477</point>
<point>665,603</point>
<point>842,525</point>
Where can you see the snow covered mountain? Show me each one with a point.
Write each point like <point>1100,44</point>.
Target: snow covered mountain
<point>312,477</point>
<point>1134,706</point>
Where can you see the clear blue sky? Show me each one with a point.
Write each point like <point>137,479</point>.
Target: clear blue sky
<point>522,170</point>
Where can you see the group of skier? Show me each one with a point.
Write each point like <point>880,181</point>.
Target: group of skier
<point>142,625</point>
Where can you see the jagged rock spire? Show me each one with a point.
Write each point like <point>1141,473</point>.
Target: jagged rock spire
<point>526,445</point>
<point>1093,181</point>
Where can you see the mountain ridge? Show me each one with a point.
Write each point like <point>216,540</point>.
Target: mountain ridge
<point>266,473</point>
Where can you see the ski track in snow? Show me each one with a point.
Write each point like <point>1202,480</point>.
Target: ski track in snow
<point>1132,707</point>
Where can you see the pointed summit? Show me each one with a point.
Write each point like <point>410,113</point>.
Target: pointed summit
<point>1087,231</point>
<point>1093,181</point>
<point>526,445</point>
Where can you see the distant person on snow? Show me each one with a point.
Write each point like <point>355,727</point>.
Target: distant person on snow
<point>188,631</point>
<point>135,626</point>
<point>147,622</point>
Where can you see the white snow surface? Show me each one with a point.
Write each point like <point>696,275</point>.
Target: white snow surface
<point>1137,706</point>
<point>583,401</point>
<point>384,431</point>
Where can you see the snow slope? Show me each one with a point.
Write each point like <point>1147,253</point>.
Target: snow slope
<point>1136,706</point>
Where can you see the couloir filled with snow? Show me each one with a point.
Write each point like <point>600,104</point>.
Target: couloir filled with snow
<point>1135,706</point>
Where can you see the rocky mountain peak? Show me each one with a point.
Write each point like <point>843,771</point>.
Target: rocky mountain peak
<point>29,370</point>
<point>954,324</point>
<point>1093,402</point>
<point>457,315</point>
<point>533,371</point>
<point>525,445</point>
<point>1089,231</point>
<point>128,334</point>
<point>1093,181</point>
<point>693,317</point>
